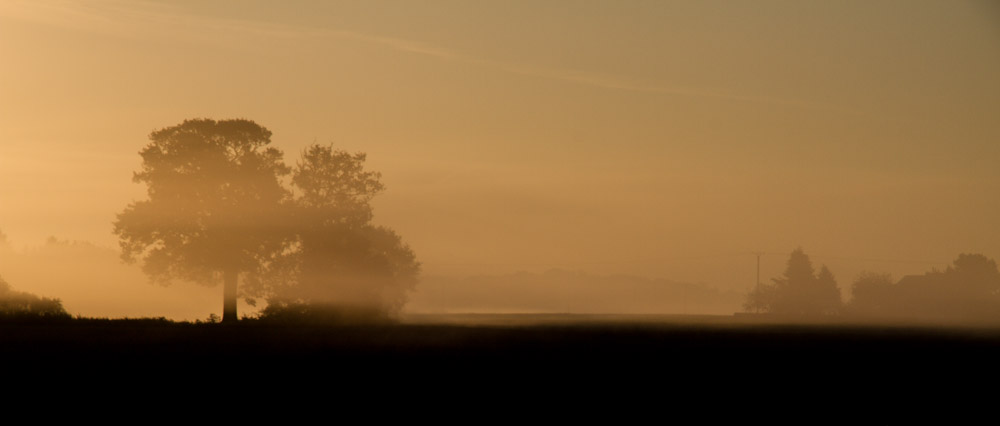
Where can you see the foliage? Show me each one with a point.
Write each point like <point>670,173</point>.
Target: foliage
<point>870,292</point>
<point>799,291</point>
<point>214,198</point>
<point>974,275</point>
<point>334,186</point>
<point>218,211</point>
<point>338,258</point>
<point>760,299</point>
<point>969,289</point>
<point>826,294</point>
<point>16,304</point>
<point>283,312</point>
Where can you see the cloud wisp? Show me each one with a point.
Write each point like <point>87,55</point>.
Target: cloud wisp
<point>158,20</point>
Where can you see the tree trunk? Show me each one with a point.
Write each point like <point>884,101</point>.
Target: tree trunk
<point>229,296</point>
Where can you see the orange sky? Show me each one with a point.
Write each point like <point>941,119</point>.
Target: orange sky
<point>663,139</point>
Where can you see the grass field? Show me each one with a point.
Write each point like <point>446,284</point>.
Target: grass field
<point>716,351</point>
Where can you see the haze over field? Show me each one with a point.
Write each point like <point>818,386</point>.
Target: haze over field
<point>665,141</point>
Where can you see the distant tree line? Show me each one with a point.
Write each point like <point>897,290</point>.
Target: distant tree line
<point>967,290</point>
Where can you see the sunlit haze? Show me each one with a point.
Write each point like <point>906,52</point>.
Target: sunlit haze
<point>664,141</point>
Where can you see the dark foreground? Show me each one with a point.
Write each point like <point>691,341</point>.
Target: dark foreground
<point>469,352</point>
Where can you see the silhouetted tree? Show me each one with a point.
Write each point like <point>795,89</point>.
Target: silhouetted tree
<point>974,275</point>
<point>827,295</point>
<point>871,293</point>
<point>216,206</point>
<point>339,259</point>
<point>799,291</point>
<point>760,299</point>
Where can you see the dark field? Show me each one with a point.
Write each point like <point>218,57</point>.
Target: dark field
<point>709,352</point>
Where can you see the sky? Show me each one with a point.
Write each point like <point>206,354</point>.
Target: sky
<point>659,139</point>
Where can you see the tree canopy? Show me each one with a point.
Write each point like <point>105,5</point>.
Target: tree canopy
<point>337,257</point>
<point>967,290</point>
<point>870,292</point>
<point>799,291</point>
<point>218,211</point>
<point>214,207</point>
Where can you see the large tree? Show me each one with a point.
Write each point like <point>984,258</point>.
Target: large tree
<point>216,206</point>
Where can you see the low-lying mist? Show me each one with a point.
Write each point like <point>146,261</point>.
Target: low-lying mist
<point>92,281</point>
<point>561,291</point>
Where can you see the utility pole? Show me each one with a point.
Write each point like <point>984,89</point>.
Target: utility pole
<point>758,271</point>
<point>757,287</point>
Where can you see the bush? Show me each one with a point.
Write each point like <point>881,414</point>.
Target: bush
<point>319,313</point>
<point>17,304</point>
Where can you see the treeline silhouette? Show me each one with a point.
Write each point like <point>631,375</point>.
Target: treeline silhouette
<point>966,291</point>
<point>92,281</point>
<point>17,305</point>
<point>799,291</point>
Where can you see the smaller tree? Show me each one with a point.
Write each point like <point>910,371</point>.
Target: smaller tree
<point>872,293</point>
<point>339,260</point>
<point>760,299</point>
<point>799,291</point>
<point>827,293</point>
